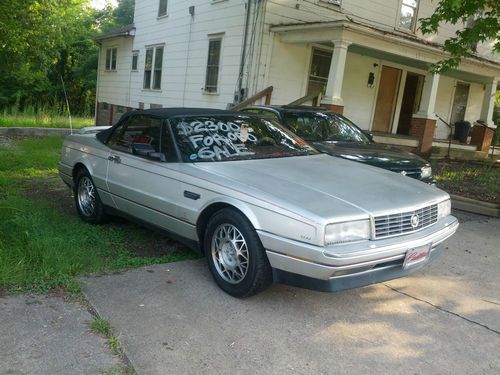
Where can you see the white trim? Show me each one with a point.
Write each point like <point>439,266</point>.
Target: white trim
<point>161,16</point>
<point>214,36</point>
<point>399,101</point>
<point>374,101</point>
<point>415,18</point>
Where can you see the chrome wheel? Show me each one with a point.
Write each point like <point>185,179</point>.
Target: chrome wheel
<point>86,196</point>
<point>230,253</point>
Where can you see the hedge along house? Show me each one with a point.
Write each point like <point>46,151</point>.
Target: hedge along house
<point>368,59</point>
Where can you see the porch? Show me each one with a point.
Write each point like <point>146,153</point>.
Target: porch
<point>380,80</point>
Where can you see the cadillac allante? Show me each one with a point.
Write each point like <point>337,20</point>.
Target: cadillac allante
<point>256,200</point>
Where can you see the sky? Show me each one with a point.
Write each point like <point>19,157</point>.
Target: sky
<point>99,4</point>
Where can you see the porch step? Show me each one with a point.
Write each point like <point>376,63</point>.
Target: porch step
<point>454,145</point>
<point>396,140</point>
<point>439,152</point>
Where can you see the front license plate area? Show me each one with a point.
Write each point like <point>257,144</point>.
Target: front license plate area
<point>416,256</point>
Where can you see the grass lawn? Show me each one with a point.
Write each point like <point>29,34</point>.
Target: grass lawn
<point>471,179</point>
<point>44,121</point>
<point>43,243</point>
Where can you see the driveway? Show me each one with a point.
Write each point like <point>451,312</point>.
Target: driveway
<point>172,319</point>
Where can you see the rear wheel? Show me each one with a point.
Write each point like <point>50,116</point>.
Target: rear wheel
<point>87,200</point>
<point>235,254</point>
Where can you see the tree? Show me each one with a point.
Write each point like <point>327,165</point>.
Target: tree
<point>42,41</point>
<point>482,23</point>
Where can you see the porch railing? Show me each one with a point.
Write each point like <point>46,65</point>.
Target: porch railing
<point>449,137</point>
<point>267,92</point>
<point>315,97</point>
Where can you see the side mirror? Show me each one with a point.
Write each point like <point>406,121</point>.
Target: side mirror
<point>369,134</point>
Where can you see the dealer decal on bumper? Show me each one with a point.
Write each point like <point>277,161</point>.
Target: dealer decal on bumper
<point>416,256</point>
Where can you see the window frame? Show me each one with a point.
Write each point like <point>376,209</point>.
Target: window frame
<point>166,142</point>
<point>153,69</point>
<point>414,22</point>
<point>213,38</point>
<point>111,52</point>
<point>135,58</point>
<point>162,13</point>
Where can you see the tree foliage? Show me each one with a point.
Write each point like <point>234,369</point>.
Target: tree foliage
<point>481,20</point>
<point>43,42</point>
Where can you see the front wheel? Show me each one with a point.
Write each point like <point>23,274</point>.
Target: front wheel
<point>87,200</point>
<point>235,254</point>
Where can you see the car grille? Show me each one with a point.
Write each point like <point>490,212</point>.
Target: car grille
<point>401,223</point>
<point>412,172</point>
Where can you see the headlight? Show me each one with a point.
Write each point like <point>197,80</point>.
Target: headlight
<point>347,232</point>
<point>426,172</point>
<point>444,208</point>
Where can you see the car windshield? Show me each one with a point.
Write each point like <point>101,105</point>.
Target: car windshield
<point>222,138</point>
<point>324,127</point>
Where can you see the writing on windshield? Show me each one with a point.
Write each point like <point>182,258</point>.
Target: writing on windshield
<point>211,139</point>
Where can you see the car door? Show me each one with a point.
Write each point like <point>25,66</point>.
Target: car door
<point>139,177</point>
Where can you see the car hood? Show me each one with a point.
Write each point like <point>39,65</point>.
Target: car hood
<point>322,185</point>
<point>374,154</point>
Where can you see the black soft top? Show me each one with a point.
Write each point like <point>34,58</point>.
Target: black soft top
<point>166,113</point>
<point>180,111</point>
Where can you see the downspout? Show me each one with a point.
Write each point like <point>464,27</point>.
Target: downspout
<point>244,51</point>
<point>96,107</point>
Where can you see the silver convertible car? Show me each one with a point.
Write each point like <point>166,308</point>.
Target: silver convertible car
<point>256,200</point>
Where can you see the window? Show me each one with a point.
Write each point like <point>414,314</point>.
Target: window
<point>408,14</point>
<point>135,58</point>
<point>162,8</point>
<point>212,77</point>
<point>143,136</point>
<point>318,73</point>
<point>111,58</point>
<point>152,68</point>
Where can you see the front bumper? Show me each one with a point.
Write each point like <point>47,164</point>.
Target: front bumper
<point>350,265</point>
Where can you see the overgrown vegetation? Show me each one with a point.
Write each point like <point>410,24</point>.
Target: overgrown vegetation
<point>476,180</point>
<point>45,43</point>
<point>41,117</point>
<point>43,244</point>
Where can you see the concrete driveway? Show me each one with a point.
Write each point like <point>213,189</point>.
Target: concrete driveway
<point>172,319</point>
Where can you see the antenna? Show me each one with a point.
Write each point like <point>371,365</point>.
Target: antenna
<point>67,104</point>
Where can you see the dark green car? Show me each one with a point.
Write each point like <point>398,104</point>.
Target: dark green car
<point>336,135</point>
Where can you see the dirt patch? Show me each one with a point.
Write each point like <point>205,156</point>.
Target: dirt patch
<point>140,241</point>
<point>471,179</point>
<point>53,192</point>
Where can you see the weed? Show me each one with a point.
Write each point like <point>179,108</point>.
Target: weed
<point>101,327</point>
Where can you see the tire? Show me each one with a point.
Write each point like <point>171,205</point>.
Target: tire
<point>235,255</point>
<point>87,201</point>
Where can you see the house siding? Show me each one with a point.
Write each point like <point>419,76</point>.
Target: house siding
<point>186,50</point>
<point>272,60</point>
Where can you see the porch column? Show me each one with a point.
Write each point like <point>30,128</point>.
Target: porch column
<point>333,95</point>
<point>423,123</point>
<point>489,102</point>
<point>482,136</point>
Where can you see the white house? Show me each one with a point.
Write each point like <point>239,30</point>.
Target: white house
<point>368,58</point>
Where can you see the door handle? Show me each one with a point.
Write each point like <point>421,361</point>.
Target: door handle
<point>115,158</point>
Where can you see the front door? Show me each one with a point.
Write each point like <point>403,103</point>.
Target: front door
<point>459,102</point>
<point>386,99</point>
<point>411,100</point>
<point>141,186</point>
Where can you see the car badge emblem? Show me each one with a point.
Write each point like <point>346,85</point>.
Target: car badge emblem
<point>403,173</point>
<point>414,220</point>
